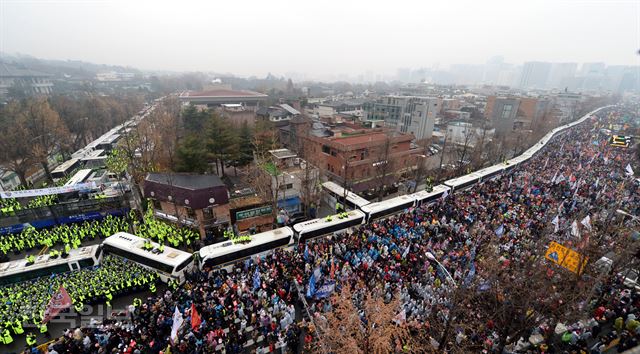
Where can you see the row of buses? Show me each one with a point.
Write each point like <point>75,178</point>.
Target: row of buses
<point>172,263</point>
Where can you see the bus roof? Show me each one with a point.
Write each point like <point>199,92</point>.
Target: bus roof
<point>387,204</point>
<point>43,261</point>
<point>256,240</point>
<point>79,177</point>
<point>63,167</point>
<point>437,190</point>
<point>462,180</point>
<point>351,197</point>
<point>317,224</point>
<point>133,244</point>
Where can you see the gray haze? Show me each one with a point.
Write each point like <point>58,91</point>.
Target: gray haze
<point>320,37</point>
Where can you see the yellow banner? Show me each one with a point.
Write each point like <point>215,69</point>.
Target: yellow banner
<point>566,257</point>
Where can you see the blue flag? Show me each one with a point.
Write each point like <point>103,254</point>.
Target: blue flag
<point>256,280</point>
<point>326,289</point>
<point>500,230</point>
<point>306,253</point>
<point>470,275</point>
<point>312,286</point>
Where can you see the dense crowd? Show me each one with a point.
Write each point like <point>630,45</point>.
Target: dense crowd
<point>570,188</point>
<point>62,235</point>
<point>25,303</point>
<point>250,307</point>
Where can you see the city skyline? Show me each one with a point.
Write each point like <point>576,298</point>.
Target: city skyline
<point>320,41</point>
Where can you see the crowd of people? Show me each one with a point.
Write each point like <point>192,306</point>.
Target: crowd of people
<point>564,193</point>
<point>251,307</point>
<point>25,303</point>
<point>163,232</point>
<point>73,235</point>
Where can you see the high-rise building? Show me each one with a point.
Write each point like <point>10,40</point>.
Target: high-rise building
<point>562,75</point>
<point>502,112</point>
<point>407,114</point>
<point>535,74</point>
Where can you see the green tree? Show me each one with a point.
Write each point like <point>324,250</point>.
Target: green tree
<point>244,149</point>
<point>191,155</point>
<point>195,121</point>
<point>221,141</point>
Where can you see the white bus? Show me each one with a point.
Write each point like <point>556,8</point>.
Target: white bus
<point>65,169</point>
<point>80,177</point>
<point>225,254</point>
<point>170,264</point>
<point>424,197</point>
<point>336,193</point>
<point>318,227</point>
<point>387,207</point>
<point>18,271</point>
<point>463,182</point>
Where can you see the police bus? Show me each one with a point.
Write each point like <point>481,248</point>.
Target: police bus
<point>225,254</point>
<point>169,263</point>
<point>328,225</point>
<point>387,207</point>
<point>80,177</point>
<point>336,193</point>
<point>65,169</point>
<point>44,266</point>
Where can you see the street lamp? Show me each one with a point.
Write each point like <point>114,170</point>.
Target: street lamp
<point>431,257</point>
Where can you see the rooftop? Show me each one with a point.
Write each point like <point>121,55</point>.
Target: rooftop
<point>186,181</point>
<point>223,93</point>
<point>282,153</point>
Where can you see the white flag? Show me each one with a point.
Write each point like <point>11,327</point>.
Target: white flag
<point>586,222</point>
<point>445,195</point>
<point>574,229</point>
<point>556,222</point>
<point>597,182</point>
<point>177,323</point>
<point>629,170</point>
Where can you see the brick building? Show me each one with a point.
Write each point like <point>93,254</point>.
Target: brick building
<point>367,157</point>
<point>196,201</point>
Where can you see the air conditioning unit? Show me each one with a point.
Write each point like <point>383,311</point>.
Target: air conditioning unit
<point>296,161</point>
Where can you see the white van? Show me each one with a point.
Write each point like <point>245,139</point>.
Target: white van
<point>630,275</point>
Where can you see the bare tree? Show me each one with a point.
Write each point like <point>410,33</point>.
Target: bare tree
<point>372,327</point>
<point>384,165</point>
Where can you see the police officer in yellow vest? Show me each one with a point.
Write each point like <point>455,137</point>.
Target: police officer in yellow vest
<point>6,336</point>
<point>17,327</point>
<point>31,339</point>
<point>152,287</point>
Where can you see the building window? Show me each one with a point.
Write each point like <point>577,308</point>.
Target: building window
<point>208,213</point>
<point>506,111</point>
<point>156,204</point>
<point>190,212</point>
<point>326,149</point>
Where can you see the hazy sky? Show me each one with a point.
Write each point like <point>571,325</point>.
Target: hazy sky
<point>320,37</point>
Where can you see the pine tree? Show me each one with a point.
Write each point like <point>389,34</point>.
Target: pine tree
<point>191,155</point>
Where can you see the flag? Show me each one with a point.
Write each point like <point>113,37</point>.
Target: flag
<point>472,272</point>
<point>553,180</point>
<point>500,230</point>
<point>406,252</point>
<point>312,285</point>
<point>597,182</point>
<point>306,253</point>
<point>574,229</point>
<point>177,323</point>
<point>256,280</point>
<point>195,317</point>
<point>445,195</point>
<point>59,301</point>
<point>586,222</point>
<point>629,170</point>
<point>325,290</point>
<point>510,180</point>
<point>556,223</point>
